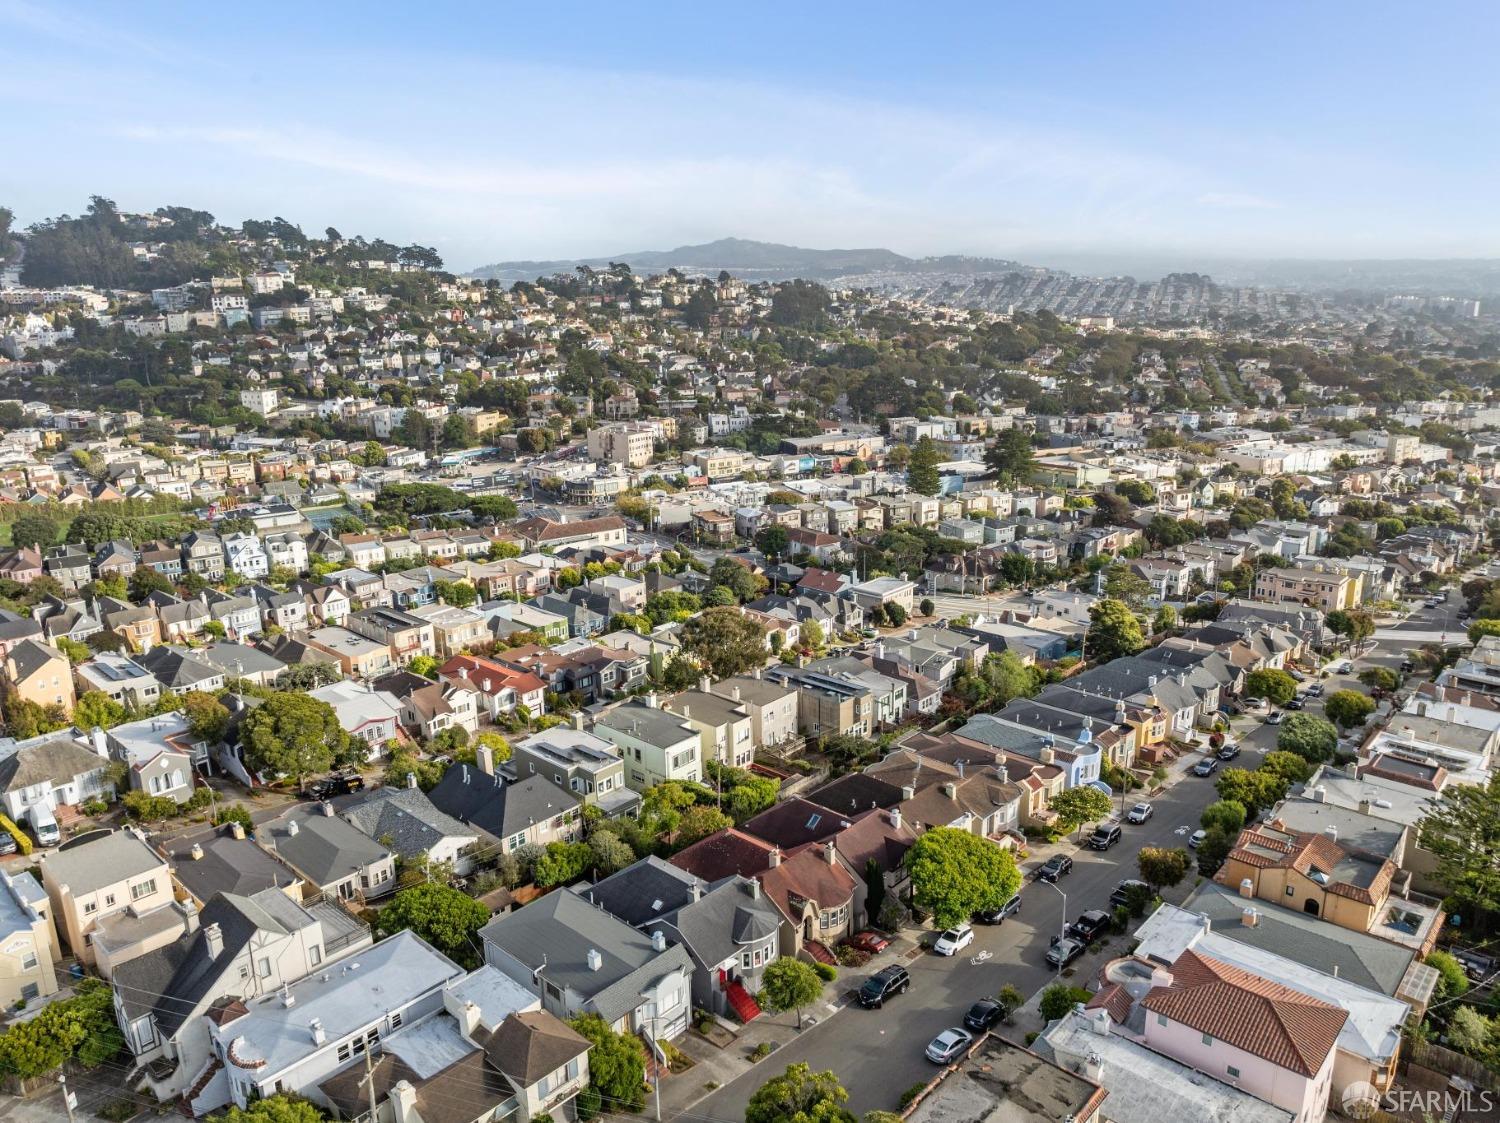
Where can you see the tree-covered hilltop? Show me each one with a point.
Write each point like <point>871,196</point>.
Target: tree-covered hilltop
<point>107,248</point>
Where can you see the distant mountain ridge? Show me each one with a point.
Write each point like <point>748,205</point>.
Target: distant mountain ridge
<point>749,259</point>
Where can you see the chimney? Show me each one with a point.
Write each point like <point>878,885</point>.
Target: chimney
<point>1332,832</point>
<point>577,720</point>
<point>773,859</point>
<point>327,809</point>
<point>316,1028</point>
<point>101,743</point>
<point>213,941</point>
<point>1205,922</point>
<point>658,940</point>
<point>237,831</point>
<point>734,692</point>
<point>196,853</point>
<point>1364,807</point>
<point>960,765</point>
<point>880,651</point>
<point>651,699</point>
<point>292,828</point>
<point>705,684</point>
<point>1093,1068</point>
<point>695,891</point>
<point>1247,888</point>
<point>403,1099</point>
<point>1249,917</point>
<point>468,1018</point>
<point>896,817</point>
<point>830,853</point>
<point>1099,1021</point>
<point>908,791</point>
<point>1046,756</point>
<point>950,789</point>
<point>754,889</point>
<point>596,961</point>
<point>1320,794</point>
<point>484,758</point>
<point>411,779</point>
<point>687,712</point>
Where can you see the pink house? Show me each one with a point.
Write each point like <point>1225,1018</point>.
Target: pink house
<point>1266,1039</point>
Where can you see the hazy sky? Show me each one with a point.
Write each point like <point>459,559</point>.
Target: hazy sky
<point>505,130</point>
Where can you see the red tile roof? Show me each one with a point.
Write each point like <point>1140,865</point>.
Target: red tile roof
<point>1289,1029</point>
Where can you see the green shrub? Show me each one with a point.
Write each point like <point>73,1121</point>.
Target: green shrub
<point>826,971</point>
<point>95,807</point>
<point>1059,998</point>
<point>149,808</point>
<point>234,813</point>
<point>588,1103</point>
<point>909,1096</point>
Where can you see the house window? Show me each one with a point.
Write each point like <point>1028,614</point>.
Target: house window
<point>1208,1039</point>
<point>143,889</point>
<point>396,1020</point>
<point>28,961</point>
<point>315,955</point>
<point>263,967</point>
<point>1234,1073</point>
<point>1291,891</point>
<point>109,899</point>
<point>90,906</point>
<point>1161,1019</point>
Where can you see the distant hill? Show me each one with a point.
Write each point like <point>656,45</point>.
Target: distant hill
<point>767,261</point>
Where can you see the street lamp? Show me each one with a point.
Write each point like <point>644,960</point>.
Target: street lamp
<point>1063,926</point>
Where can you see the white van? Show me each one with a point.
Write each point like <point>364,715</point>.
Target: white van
<point>44,824</point>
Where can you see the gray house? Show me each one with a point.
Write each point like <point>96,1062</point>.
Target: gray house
<point>579,959</point>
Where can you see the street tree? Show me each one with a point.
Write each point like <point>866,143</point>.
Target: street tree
<point>1272,684</point>
<point>617,1063</point>
<point>1255,791</point>
<point>1113,632</point>
<point>955,873</point>
<point>1309,736</point>
<point>292,735</point>
<point>789,984</point>
<point>1348,708</point>
<point>772,541</point>
<point>1161,867</point>
<point>799,1095</point>
<point>1079,805</point>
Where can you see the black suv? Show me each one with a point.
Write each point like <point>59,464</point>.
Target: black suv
<point>1104,837</point>
<point>1090,926</point>
<point>338,784</point>
<point>882,985</point>
<point>1126,888</point>
<point>984,1014</point>
<point>1055,867</point>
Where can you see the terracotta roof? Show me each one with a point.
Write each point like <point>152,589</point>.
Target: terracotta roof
<point>1271,846</point>
<point>1114,999</point>
<point>1289,1029</point>
<point>807,876</point>
<point>724,853</point>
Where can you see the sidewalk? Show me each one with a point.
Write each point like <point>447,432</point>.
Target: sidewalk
<point>715,1067</point>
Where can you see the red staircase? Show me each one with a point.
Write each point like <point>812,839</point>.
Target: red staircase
<point>741,1001</point>
<point>820,952</point>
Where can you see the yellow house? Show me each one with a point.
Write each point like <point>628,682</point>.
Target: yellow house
<point>41,674</point>
<point>28,942</point>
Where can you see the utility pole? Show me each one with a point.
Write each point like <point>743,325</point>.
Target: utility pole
<point>69,1098</point>
<point>368,1081</point>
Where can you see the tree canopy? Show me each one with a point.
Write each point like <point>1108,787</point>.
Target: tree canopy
<point>955,874</point>
<point>292,735</point>
<point>447,918</point>
<point>1114,631</point>
<point>800,1095</point>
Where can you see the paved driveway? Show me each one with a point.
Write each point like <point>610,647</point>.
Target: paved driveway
<point>878,1053</point>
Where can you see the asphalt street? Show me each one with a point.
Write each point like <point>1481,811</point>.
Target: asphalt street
<point>878,1053</point>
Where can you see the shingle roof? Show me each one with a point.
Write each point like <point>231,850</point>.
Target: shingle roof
<point>57,761</point>
<point>92,863</point>
<point>408,818</point>
<point>527,1046</point>
<point>501,807</point>
<point>1292,1030</point>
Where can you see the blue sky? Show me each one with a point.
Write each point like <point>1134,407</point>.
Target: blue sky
<point>503,131</point>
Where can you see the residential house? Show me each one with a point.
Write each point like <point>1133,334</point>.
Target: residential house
<point>772,708</point>
<point>657,745</point>
<point>579,959</point>
<point>533,810</point>
<point>405,821</point>
<point>123,680</point>
<point>406,636</point>
<point>365,713</point>
<point>356,655</point>
<point>37,672</point>
<point>28,942</point>
<point>160,753</point>
<point>203,554</point>
<point>107,876</point>
<point>332,854</point>
<point>501,689</point>
<point>724,725</point>
<point>582,763</point>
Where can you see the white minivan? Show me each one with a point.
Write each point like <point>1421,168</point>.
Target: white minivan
<point>44,825</point>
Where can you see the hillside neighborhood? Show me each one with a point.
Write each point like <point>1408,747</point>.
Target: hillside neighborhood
<point>426,699</point>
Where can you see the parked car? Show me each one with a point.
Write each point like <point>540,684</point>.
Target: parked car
<point>885,983</point>
<point>984,1014</point>
<point>868,940</point>
<point>1276,717</point>
<point>1195,839</point>
<point>1090,926</point>
<point>1124,890</point>
<point>338,784</point>
<point>1297,676</point>
<point>1055,867</point>
<point>1104,836</point>
<point>1206,767</point>
<point>1315,690</point>
<point>1345,668</point>
<point>1294,703</point>
<point>1476,965</point>
<point>995,916</point>
<point>949,1045</point>
<point>1064,950</point>
<point>7,843</point>
<point>1407,666</point>
<point>1141,812</point>
<point>954,940</point>
<point>1229,752</point>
